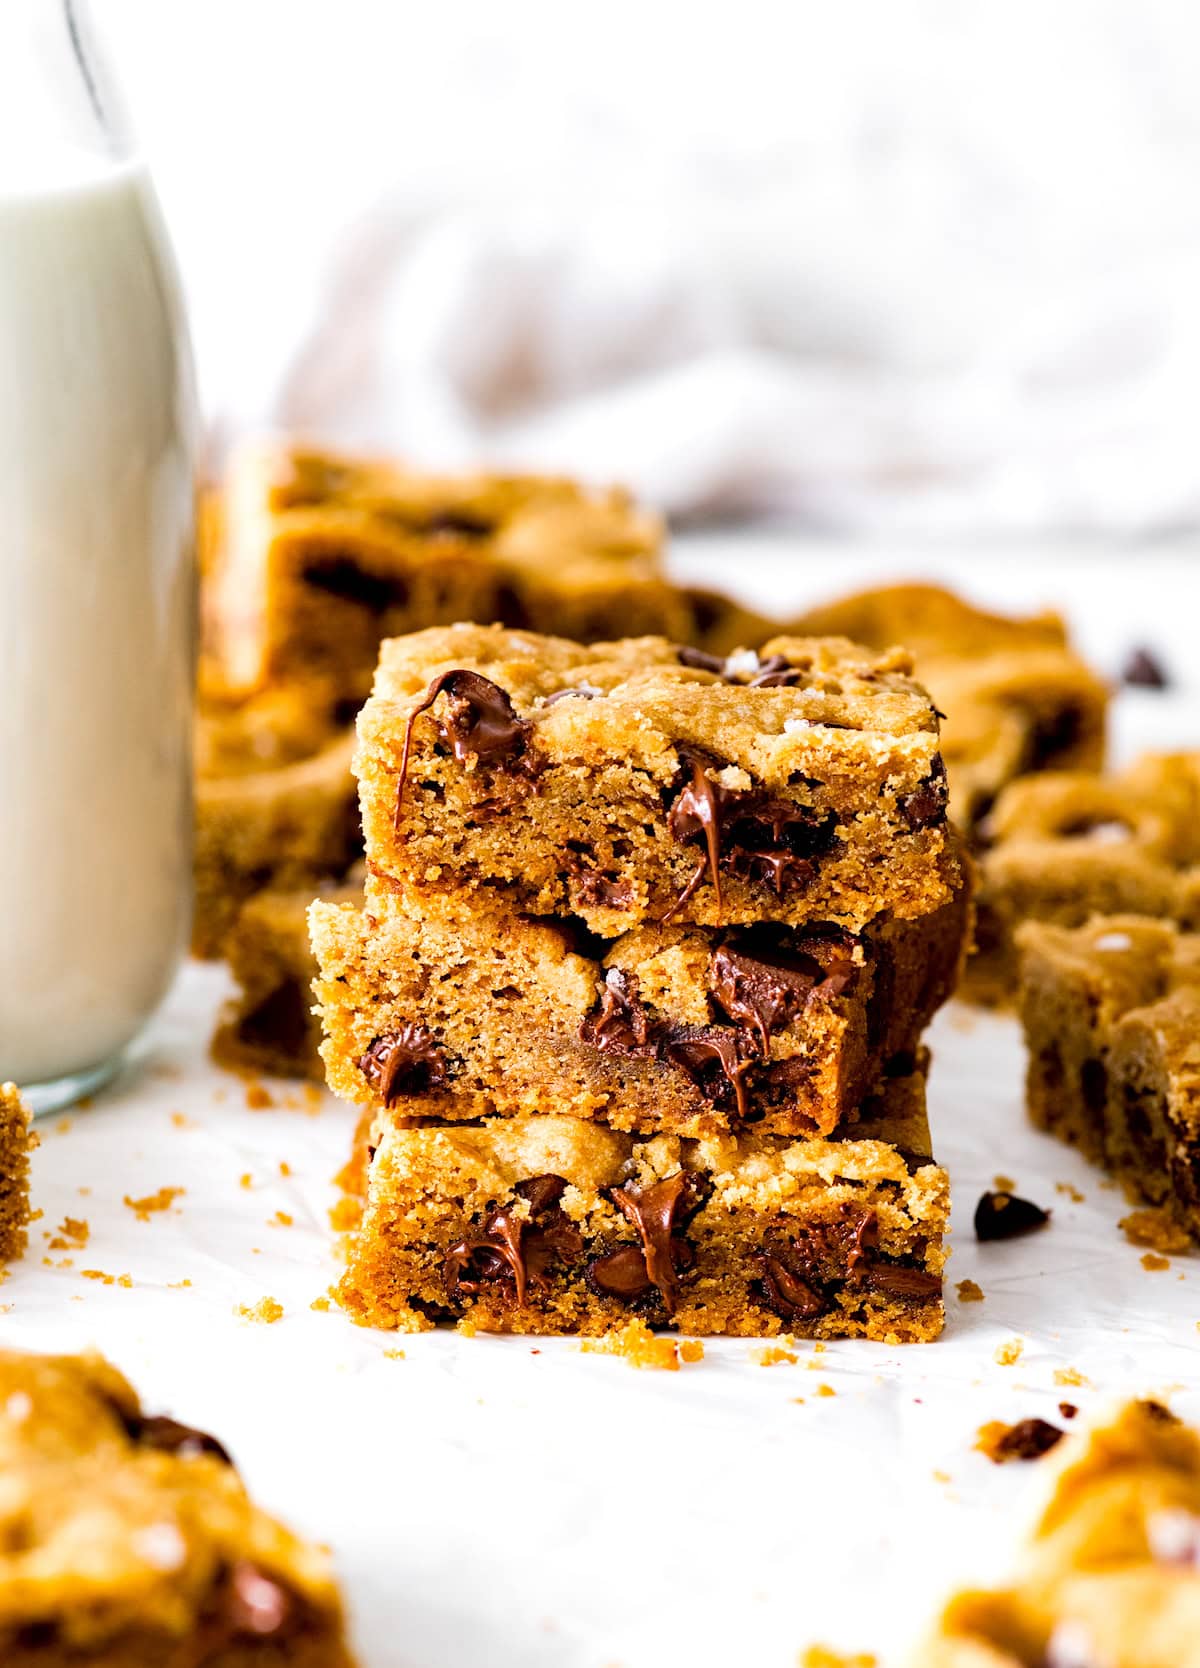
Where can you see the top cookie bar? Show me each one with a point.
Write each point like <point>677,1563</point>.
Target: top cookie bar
<point>637,781</point>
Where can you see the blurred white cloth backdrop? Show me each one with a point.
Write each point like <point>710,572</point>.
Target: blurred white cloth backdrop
<point>932,267</point>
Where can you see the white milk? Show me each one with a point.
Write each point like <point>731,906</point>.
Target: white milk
<point>96,616</point>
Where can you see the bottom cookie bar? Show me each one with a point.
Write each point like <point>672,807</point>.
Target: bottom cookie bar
<point>555,1225</point>
<point>1111,1014</point>
<point>129,1541</point>
<point>16,1139</point>
<point>1109,1578</point>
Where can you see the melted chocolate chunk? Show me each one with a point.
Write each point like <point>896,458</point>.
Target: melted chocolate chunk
<point>1143,670</point>
<point>170,1437</point>
<point>1004,1216</point>
<point>585,692</point>
<point>657,1212</point>
<point>1029,1439</point>
<point>696,814</point>
<point>621,1273</point>
<point>409,1061</point>
<point>715,1057</point>
<point>801,1278</point>
<point>926,806</point>
<point>763,983</point>
<point>623,1024</point>
<point>516,1250</point>
<point>480,722</point>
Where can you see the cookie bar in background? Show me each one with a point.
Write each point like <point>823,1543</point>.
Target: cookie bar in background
<point>286,828</point>
<point>322,557</point>
<point>556,1225</point>
<point>1111,1014</point>
<point>16,1140</point>
<point>1110,1575</point>
<point>269,1025</point>
<point>630,782</point>
<point>680,1030</point>
<point>1069,845</point>
<point>130,1540</point>
<point>1017,699</point>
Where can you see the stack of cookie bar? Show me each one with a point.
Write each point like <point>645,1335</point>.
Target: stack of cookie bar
<point>634,1001</point>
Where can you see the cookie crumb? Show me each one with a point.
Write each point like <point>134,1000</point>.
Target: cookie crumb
<point>258,1096</point>
<point>98,1274</point>
<point>1156,1228</point>
<point>825,1390</point>
<point>177,1285</point>
<point>969,1292</point>
<point>281,1219</point>
<point>1152,1262</point>
<point>772,1355</point>
<point>1009,1353</point>
<point>180,1121</point>
<point>320,1304</point>
<point>72,1235</point>
<point>285,1168</point>
<point>393,1355</point>
<point>1028,1439</point>
<point>643,1348</point>
<point>1070,1191</point>
<point>1004,1184</point>
<point>246,1181</point>
<point>821,1656</point>
<point>143,1209</point>
<point>267,1310</point>
<point>1069,1376</point>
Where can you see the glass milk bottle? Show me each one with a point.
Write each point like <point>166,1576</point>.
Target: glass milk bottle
<point>97,441</point>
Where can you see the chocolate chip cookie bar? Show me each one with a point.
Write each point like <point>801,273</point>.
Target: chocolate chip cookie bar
<point>129,1540</point>
<point>269,1024</point>
<point>322,557</point>
<point>16,1139</point>
<point>286,828</point>
<point>1110,1576</point>
<point>1111,1014</point>
<point>555,1225</point>
<point>635,782</point>
<point>1017,699</point>
<point>681,1030</point>
<point>1069,845</point>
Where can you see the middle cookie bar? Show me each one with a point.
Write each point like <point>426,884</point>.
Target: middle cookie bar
<point>639,782</point>
<point>682,1030</point>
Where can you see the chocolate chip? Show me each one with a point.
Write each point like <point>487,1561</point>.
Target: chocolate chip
<point>1068,1409</point>
<point>623,1024</point>
<point>480,722</point>
<point>926,805</point>
<point>788,1293</point>
<point>657,1212</point>
<point>715,1057</point>
<point>1004,1216</point>
<point>1143,670</point>
<point>700,660</point>
<point>516,1250</point>
<point>1027,1440</point>
<point>776,673</point>
<point>342,577</point>
<point>170,1437</point>
<point>409,1061</point>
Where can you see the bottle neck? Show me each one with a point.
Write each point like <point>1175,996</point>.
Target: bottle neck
<point>56,96</point>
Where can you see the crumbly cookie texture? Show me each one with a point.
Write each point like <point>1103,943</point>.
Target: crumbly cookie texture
<point>1110,1576</point>
<point>1070,845</point>
<point>16,1141</point>
<point>636,782</point>
<point>321,557</point>
<point>555,1225</point>
<point>679,1030</point>
<point>129,1540</point>
<point>1111,1014</point>
<point>1017,699</point>
<point>269,1024</point>
<point>286,828</point>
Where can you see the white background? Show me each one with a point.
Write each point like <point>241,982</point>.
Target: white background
<point>490,1504</point>
<point>933,266</point>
